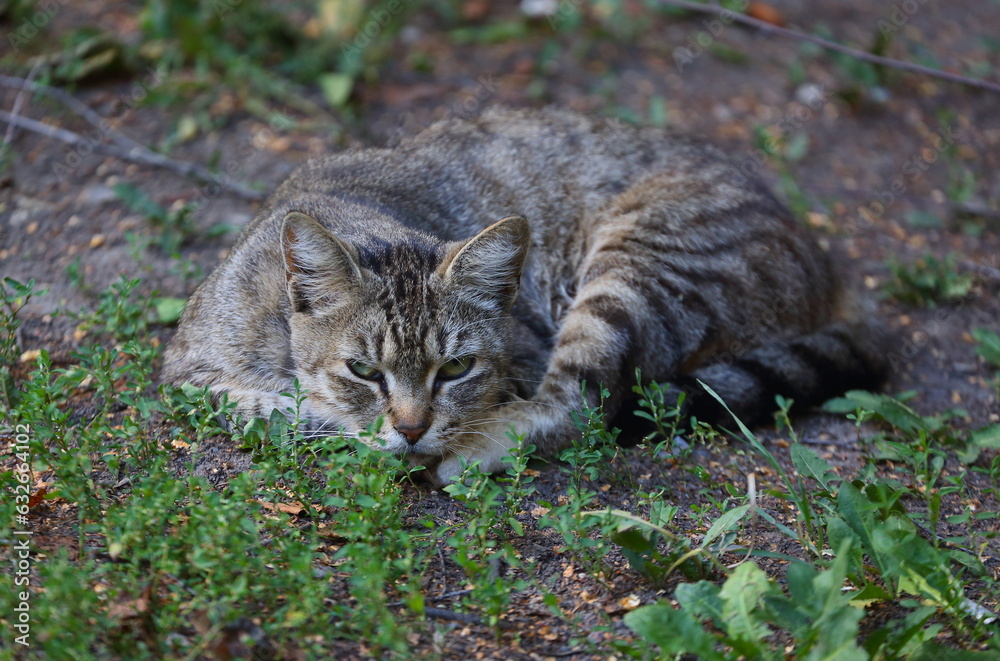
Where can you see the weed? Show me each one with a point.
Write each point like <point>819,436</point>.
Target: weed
<point>13,296</point>
<point>927,281</point>
<point>318,544</point>
<point>784,151</point>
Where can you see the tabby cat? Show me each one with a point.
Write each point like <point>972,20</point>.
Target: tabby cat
<point>596,248</point>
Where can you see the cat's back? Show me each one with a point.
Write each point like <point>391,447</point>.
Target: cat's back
<point>549,165</point>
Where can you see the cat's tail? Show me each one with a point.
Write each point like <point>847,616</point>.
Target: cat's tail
<point>808,369</point>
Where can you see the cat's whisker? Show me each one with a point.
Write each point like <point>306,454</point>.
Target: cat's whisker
<point>522,379</point>
<point>489,437</point>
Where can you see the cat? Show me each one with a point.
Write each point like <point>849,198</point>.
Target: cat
<point>464,283</point>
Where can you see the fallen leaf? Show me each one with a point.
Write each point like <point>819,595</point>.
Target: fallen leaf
<point>288,508</point>
<point>767,13</point>
<point>630,602</point>
<point>37,497</point>
<point>30,355</point>
<point>128,609</point>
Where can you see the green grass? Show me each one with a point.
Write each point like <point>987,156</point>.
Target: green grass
<point>322,544</point>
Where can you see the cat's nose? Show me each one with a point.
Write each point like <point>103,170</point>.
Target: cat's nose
<point>412,431</point>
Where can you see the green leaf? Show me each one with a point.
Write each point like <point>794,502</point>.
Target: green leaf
<point>870,594</point>
<point>923,219</point>
<point>633,540</point>
<point>987,437</point>
<point>800,578</point>
<point>797,146</point>
<point>935,652</point>
<point>741,596</point>
<point>807,462</point>
<point>168,310</point>
<point>979,440</point>
<point>702,600</point>
<point>336,88</point>
<point>674,631</point>
<point>989,345</point>
<point>854,509</point>
<point>725,523</point>
<point>890,409</point>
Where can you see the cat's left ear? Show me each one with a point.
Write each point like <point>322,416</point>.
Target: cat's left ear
<point>321,271</point>
<point>488,266</point>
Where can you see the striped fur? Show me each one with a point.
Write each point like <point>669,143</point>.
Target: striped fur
<point>622,248</point>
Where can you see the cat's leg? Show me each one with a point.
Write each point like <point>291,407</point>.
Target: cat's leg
<point>251,403</point>
<point>616,321</point>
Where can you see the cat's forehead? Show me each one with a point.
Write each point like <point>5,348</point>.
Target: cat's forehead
<point>412,320</point>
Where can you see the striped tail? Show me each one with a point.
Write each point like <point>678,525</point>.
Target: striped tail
<point>808,369</point>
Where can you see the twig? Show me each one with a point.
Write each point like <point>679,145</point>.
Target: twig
<point>464,618</point>
<point>717,10</point>
<point>137,155</point>
<point>440,597</point>
<point>8,137</point>
<point>73,104</point>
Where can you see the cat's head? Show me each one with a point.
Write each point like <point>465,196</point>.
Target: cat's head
<point>414,332</point>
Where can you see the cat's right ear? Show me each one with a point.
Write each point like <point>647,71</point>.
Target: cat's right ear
<point>488,266</point>
<point>321,271</point>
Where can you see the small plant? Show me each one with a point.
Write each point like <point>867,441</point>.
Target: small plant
<point>928,281</point>
<point>479,547</point>
<point>176,226</point>
<point>784,151</point>
<point>13,297</point>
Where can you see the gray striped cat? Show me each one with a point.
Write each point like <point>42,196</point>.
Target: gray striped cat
<point>386,283</point>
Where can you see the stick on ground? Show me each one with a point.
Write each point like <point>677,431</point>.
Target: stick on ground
<point>718,10</point>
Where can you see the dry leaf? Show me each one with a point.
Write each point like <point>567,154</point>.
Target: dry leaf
<point>767,13</point>
<point>37,497</point>
<point>288,508</point>
<point>30,355</point>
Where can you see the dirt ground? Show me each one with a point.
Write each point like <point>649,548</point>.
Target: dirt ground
<point>858,150</point>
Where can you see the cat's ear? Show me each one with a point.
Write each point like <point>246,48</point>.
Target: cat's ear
<point>488,266</point>
<point>321,271</point>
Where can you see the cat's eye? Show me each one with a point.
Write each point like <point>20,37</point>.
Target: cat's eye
<point>456,368</point>
<point>364,371</point>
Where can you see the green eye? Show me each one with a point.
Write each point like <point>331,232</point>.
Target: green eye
<point>363,371</point>
<point>456,368</point>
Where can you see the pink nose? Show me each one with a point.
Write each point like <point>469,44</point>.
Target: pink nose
<point>413,432</point>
